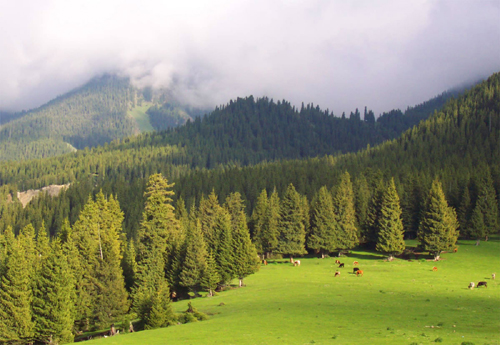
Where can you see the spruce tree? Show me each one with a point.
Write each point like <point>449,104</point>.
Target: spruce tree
<point>465,212</point>
<point>195,258</point>
<point>129,265</point>
<point>343,202</point>
<point>15,297</point>
<point>52,298</point>
<point>372,219</point>
<point>210,277</point>
<point>160,313</point>
<point>391,232</point>
<point>246,260</point>
<point>487,204</point>
<point>323,224</point>
<point>224,255</point>
<point>292,234</point>
<point>259,221</point>
<point>361,201</point>
<point>438,227</point>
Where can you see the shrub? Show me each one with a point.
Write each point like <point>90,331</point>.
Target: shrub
<point>438,340</point>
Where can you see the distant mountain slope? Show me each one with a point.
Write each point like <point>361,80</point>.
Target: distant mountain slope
<point>88,116</point>
<point>104,109</point>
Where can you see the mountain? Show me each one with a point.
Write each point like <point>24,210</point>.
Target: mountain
<point>459,144</point>
<point>104,109</point>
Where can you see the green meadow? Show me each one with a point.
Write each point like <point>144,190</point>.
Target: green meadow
<point>138,113</point>
<point>399,302</point>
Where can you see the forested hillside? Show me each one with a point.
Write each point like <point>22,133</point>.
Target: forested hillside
<point>459,144</point>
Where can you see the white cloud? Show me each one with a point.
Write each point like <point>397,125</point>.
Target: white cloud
<point>338,54</point>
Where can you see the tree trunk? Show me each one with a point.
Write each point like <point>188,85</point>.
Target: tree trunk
<point>391,257</point>
<point>291,260</point>
<point>241,282</point>
<point>436,256</point>
<point>210,293</point>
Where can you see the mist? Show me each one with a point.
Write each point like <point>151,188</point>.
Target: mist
<point>340,55</point>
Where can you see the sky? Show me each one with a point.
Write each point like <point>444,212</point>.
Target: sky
<point>337,54</point>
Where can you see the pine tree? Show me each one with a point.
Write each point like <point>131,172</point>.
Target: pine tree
<point>15,297</point>
<point>465,212</point>
<point>343,202</point>
<point>52,298</point>
<point>246,260</point>
<point>224,256</point>
<point>362,201</point>
<point>391,233</point>
<point>195,259</point>
<point>324,223</point>
<point>292,233</point>
<point>373,216</point>
<point>160,313</point>
<point>259,220</point>
<point>488,206</point>
<point>438,227</point>
<point>129,265</point>
<point>158,237</point>
<point>210,278</point>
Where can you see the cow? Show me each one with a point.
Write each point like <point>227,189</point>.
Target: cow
<point>359,273</point>
<point>337,261</point>
<point>291,261</point>
<point>482,284</point>
<point>355,269</point>
<point>455,250</point>
<point>337,274</point>
<point>265,262</point>
<point>435,269</point>
<point>471,285</point>
<point>341,265</point>
<point>296,263</point>
<point>493,276</point>
<point>355,263</point>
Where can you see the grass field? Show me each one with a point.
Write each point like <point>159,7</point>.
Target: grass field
<point>141,118</point>
<point>399,302</point>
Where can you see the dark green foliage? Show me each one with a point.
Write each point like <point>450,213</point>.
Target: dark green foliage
<point>129,265</point>
<point>390,234</point>
<point>192,315</point>
<point>246,260</point>
<point>343,205</point>
<point>195,258</point>
<point>167,116</point>
<point>292,234</point>
<point>485,214</point>
<point>160,313</point>
<point>438,227</point>
<point>323,224</point>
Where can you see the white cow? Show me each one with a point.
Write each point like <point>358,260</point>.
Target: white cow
<point>471,285</point>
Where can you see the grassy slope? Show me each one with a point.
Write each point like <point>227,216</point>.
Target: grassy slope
<point>392,304</point>
<point>141,118</point>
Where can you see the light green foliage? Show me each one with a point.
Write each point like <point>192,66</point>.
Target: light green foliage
<point>391,232</point>
<point>246,260</point>
<point>16,296</point>
<point>438,228</point>
<point>52,297</point>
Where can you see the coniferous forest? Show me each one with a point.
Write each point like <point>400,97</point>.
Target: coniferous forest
<point>166,215</point>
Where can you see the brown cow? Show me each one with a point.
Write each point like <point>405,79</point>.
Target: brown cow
<point>455,250</point>
<point>482,284</point>
<point>355,269</point>
<point>296,263</point>
<point>355,263</point>
<point>337,274</point>
<point>337,261</point>
<point>341,265</point>
<point>359,273</point>
<point>435,269</point>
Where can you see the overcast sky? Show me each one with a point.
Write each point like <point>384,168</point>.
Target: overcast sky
<point>337,54</point>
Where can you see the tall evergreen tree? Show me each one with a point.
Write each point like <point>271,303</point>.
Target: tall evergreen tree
<point>15,297</point>
<point>52,298</point>
<point>129,265</point>
<point>370,232</point>
<point>361,201</point>
<point>391,233</point>
<point>487,204</point>
<point>259,221</point>
<point>224,255</point>
<point>210,278</point>
<point>246,260</point>
<point>292,234</point>
<point>343,202</point>
<point>465,212</point>
<point>438,227</point>
<point>195,258</point>
<point>323,224</point>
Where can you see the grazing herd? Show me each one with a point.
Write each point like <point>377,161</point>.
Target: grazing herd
<point>359,273</point>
